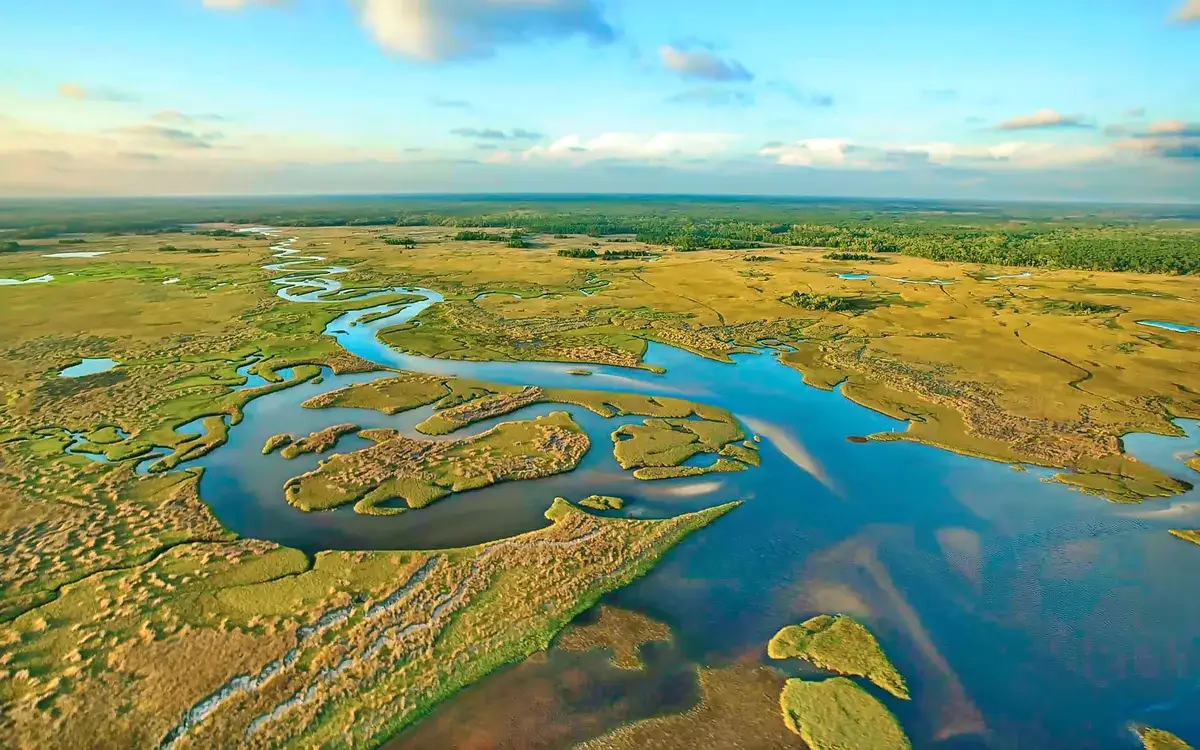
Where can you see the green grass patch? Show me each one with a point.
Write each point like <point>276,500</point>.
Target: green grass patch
<point>840,644</point>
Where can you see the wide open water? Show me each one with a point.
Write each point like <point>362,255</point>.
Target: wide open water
<point>1022,613</point>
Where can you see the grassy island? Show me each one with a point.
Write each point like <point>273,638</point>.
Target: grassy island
<point>318,442</point>
<point>837,714</point>
<point>275,442</point>
<point>1158,739</point>
<point>1189,535</point>
<point>602,502</point>
<point>419,472</point>
<point>839,644</point>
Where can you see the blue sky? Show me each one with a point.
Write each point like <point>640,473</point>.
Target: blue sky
<point>987,99</point>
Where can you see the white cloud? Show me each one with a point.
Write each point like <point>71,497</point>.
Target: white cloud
<point>1019,154</point>
<point>437,30</point>
<point>810,152</point>
<point>1173,127</point>
<point>633,146</point>
<point>703,65</point>
<point>842,153</point>
<point>1043,118</point>
<point>1189,12</point>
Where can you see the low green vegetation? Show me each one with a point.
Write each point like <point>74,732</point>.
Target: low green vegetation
<point>620,631</point>
<point>469,236</point>
<point>821,302</point>
<point>420,472</point>
<point>1188,535</point>
<point>275,442</point>
<point>602,502</point>
<point>837,714</point>
<point>839,644</point>
<point>318,442</point>
<point>1158,739</point>
<point>274,639</point>
<point>670,442</point>
<point>850,256</point>
<point>391,395</point>
<point>1078,307</point>
<point>576,252</point>
<point>720,466</point>
<point>609,254</point>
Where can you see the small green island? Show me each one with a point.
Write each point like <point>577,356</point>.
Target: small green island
<point>1158,739</point>
<point>602,502</point>
<point>275,442</point>
<point>675,431</point>
<point>1188,535</point>
<point>839,644</point>
<point>317,442</point>
<point>837,713</point>
<point>422,471</point>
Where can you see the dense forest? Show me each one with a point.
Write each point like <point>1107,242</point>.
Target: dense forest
<point>1114,238</point>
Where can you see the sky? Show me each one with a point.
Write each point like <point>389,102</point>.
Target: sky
<point>1095,100</point>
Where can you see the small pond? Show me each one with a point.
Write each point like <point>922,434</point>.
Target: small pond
<point>1177,327</point>
<point>88,367</point>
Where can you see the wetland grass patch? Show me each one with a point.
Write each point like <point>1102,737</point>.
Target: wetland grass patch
<point>839,644</point>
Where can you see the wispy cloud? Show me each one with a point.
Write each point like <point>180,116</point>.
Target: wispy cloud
<point>1044,119</point>
<point>175,117</point>
<point>702,65</point>
<point>95,94</point>
<point>633,146</point>
<point>493,134</point>
<point>441,30</point>
<point>844,153</point>
<point>159,136</point>
<point>1169,139</point>
<point>1174,127</point>
<point>711,96</point>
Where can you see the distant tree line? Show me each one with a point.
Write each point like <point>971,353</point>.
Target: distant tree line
<point>849,256</point>
<point>1087,237</point>
<point>472,236</point>
<point>587,252</point>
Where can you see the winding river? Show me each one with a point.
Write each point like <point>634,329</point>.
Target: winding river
<point>1024,614</point>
